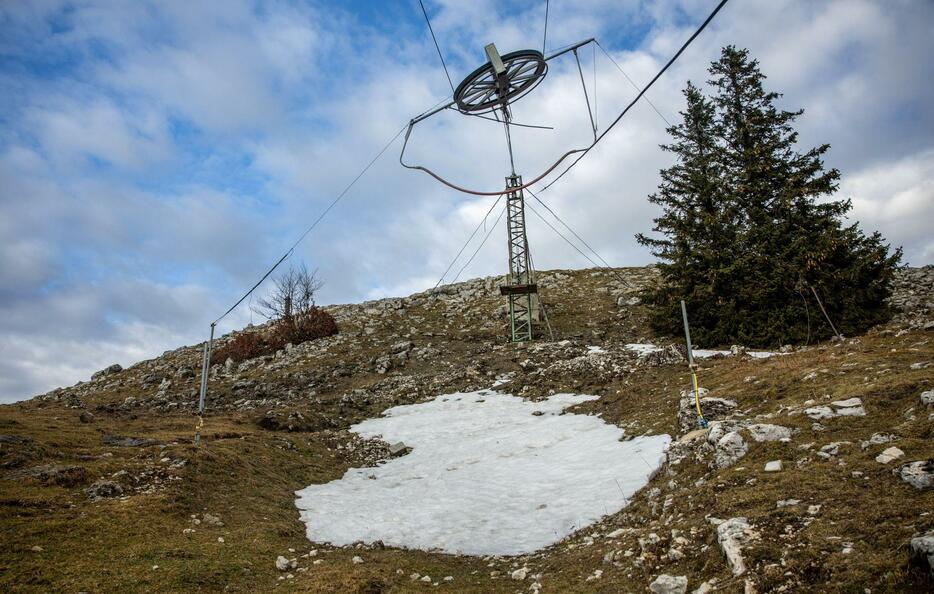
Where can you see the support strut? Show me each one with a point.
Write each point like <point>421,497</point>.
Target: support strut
<point>521,287</point>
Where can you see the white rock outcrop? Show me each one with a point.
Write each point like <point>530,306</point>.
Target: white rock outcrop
<point>732,535</point>
<point>669,584</point>
<point>766,432</point>
<point>919,475</point>
<point>729,449</point>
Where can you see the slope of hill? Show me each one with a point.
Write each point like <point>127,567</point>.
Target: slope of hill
<point>103,490</point>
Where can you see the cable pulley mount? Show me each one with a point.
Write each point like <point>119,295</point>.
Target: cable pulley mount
<point>492,88</point>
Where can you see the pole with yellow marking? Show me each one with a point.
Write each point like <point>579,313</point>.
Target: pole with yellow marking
<point>687,336</point>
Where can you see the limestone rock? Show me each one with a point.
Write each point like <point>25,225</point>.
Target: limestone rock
<point>919,475</point>
<point>773,466</point>
<point>520,574</point>
<point>103,489</point>
<point>819,413</point>
<point>712,408</point>
<point>851,407</point>
<point>669,584</point>
<point>766,432</point>
<point>921,552</point>
<point>115,368</point>
<point>730,448</point>
<point>732,535</point>
<point>889,454</point>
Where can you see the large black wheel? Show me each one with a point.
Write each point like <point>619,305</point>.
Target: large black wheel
<point>483,90</point>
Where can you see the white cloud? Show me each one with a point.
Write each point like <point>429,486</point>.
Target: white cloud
<point>227,128</point>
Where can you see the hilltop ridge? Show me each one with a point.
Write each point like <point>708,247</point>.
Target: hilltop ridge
<point>104,490</point>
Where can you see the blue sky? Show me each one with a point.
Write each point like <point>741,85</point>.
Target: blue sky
<point>157,157</point>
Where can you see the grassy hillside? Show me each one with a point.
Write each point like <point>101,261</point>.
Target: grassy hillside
<point>103,490</point>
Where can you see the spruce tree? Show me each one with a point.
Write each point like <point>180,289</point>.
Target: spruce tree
<point>751,240</point>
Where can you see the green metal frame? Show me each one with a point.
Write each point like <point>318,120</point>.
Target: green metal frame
<point>521,285</point>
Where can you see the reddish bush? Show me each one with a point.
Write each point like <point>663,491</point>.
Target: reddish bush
<point>315,323</point>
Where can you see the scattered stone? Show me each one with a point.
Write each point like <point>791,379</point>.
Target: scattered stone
<point>876,439</point>
<point>357,560</point>
<point>103,489</point>
<point>283,564</point>
<point>85,417</point>
<point>927,398</point>
<point>732,534</point>
<point>426,579</point>
<point>765,432</point>
<point>813,510</point>
<point>730,448</point>
<point>787,502</point>
<point>773,466</point>
<point>889,454</point>
<point>36,549</point>
<point>713,408</point>
<point>695,435</point>
<point>669,584</point>
<point>819,413</point>
<point>851,407</point>
<point>398,449</point>
<point>921,552</point>
<point>115,368</point>
<point>520,574</point>
<point>211,520</point>
<point>919,475</point>
<point>402,347</point>
<point>596,575</point>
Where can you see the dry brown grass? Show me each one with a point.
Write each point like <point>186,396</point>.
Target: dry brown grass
<point>248,476</point>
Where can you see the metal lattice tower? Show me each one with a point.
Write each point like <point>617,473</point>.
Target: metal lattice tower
<point>521,284</point>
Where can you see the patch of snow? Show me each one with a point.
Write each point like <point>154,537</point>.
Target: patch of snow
<point>646,348</point>
<point>596,350</point>
<point>485,477</point>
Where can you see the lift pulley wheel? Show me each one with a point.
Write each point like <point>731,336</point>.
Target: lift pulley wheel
<point>484,90</point>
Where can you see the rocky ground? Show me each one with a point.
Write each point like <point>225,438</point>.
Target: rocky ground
<point>815,473</point>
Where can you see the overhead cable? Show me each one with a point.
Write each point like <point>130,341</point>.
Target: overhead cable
<point>632,82</point>
<point>466,243</point>
<point>437,47</point>
<point>476,251</point>
<point>606,265</point>
<point>313,225</point>
<point>667,65</point>
<point>545,34</point>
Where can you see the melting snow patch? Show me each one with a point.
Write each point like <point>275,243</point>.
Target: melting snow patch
<point>596,350</point>
<point>645,349</point>
<point>485,476</point>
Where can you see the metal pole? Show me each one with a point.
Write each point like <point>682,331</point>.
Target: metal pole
<point>687,333</point>
<point>205,370</point>
<point>687,336</point>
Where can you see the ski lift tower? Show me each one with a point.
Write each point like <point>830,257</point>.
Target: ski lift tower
<point>490,89</point>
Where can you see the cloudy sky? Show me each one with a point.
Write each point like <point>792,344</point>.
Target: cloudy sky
<point>157,157</point>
